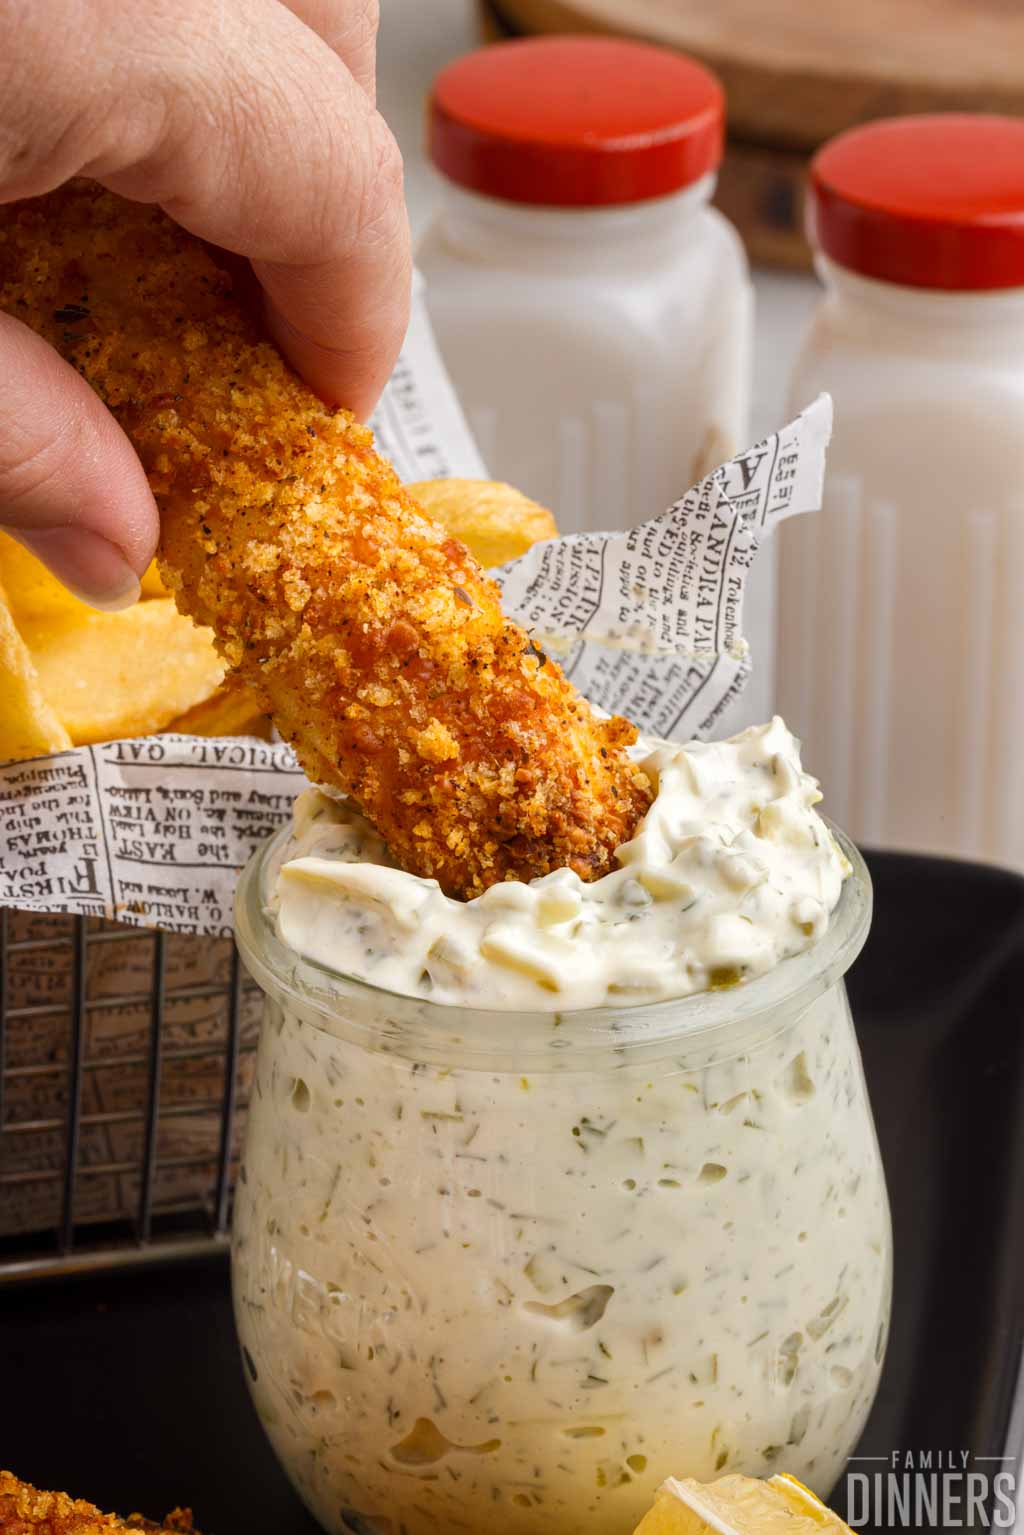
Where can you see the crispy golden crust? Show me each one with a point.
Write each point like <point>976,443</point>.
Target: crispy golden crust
<point>24,1510</point>
<point>371,635</point>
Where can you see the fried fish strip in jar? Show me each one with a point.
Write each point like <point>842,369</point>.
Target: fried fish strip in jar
<point>372,637</point>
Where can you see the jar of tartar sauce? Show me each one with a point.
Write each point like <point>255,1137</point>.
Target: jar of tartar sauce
<point>900,621</point>
<point>506,1270</point>
<point>594,311</point>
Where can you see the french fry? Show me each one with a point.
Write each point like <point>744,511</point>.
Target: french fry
<point>28,725</point>
<point>230,711</point>
<point>151,584</point>
<point>32,592</point>
<point>122,674</point>
<point>496,522</point>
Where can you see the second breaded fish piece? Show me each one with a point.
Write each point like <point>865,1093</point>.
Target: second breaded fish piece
<point>372,636</point>
<point>24,1510</point>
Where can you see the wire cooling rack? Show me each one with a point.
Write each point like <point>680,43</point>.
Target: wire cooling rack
<point>125,1058</point>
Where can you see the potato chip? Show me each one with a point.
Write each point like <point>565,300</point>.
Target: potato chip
<point>496,522</point>
<point>32,592</point>
<point>28,725</point>
<point>230,711</point>
<point>122,674</point>
<point>151,584</point>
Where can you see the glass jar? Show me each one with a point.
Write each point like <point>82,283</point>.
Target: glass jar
<point>498,1266</point>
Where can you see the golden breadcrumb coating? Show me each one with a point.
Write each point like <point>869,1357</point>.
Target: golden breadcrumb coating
<point>24,1510</point>
<point>370,634</point>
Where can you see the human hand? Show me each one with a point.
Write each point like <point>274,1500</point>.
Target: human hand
<point>252,123</point>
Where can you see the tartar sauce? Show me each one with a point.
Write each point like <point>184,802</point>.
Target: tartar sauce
<point>518,1291</point>
<point>731,870</point>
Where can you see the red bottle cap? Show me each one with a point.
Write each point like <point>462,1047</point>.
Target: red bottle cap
<point>928,202</point>
<point>575,122</point>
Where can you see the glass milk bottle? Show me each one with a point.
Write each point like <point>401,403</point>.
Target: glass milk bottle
<point>901,604</point>
<point>594,311</point>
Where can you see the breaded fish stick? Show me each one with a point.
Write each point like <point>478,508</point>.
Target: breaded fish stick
<point>372,637</point>
<point>24,1510</point>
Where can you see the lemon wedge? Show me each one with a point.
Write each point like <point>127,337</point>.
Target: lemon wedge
<point>739,1505</point>
<point>803,1501</point>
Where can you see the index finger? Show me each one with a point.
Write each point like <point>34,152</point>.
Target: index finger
<point>274,151</point>
<point>349,27</point>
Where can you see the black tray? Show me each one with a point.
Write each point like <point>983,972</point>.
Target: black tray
<point>128,1390</point>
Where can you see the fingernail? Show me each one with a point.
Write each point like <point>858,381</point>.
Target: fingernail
<point>89,565</point>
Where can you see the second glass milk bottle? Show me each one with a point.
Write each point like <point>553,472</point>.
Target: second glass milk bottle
<point>900,613</point>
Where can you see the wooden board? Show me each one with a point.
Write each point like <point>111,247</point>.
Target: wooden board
<point>761,191</point>
<point>798,71</point>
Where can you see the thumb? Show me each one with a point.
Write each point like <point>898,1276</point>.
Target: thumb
<point>71,488</point>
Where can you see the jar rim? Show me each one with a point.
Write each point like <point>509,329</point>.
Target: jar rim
<point>339,1003</point>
